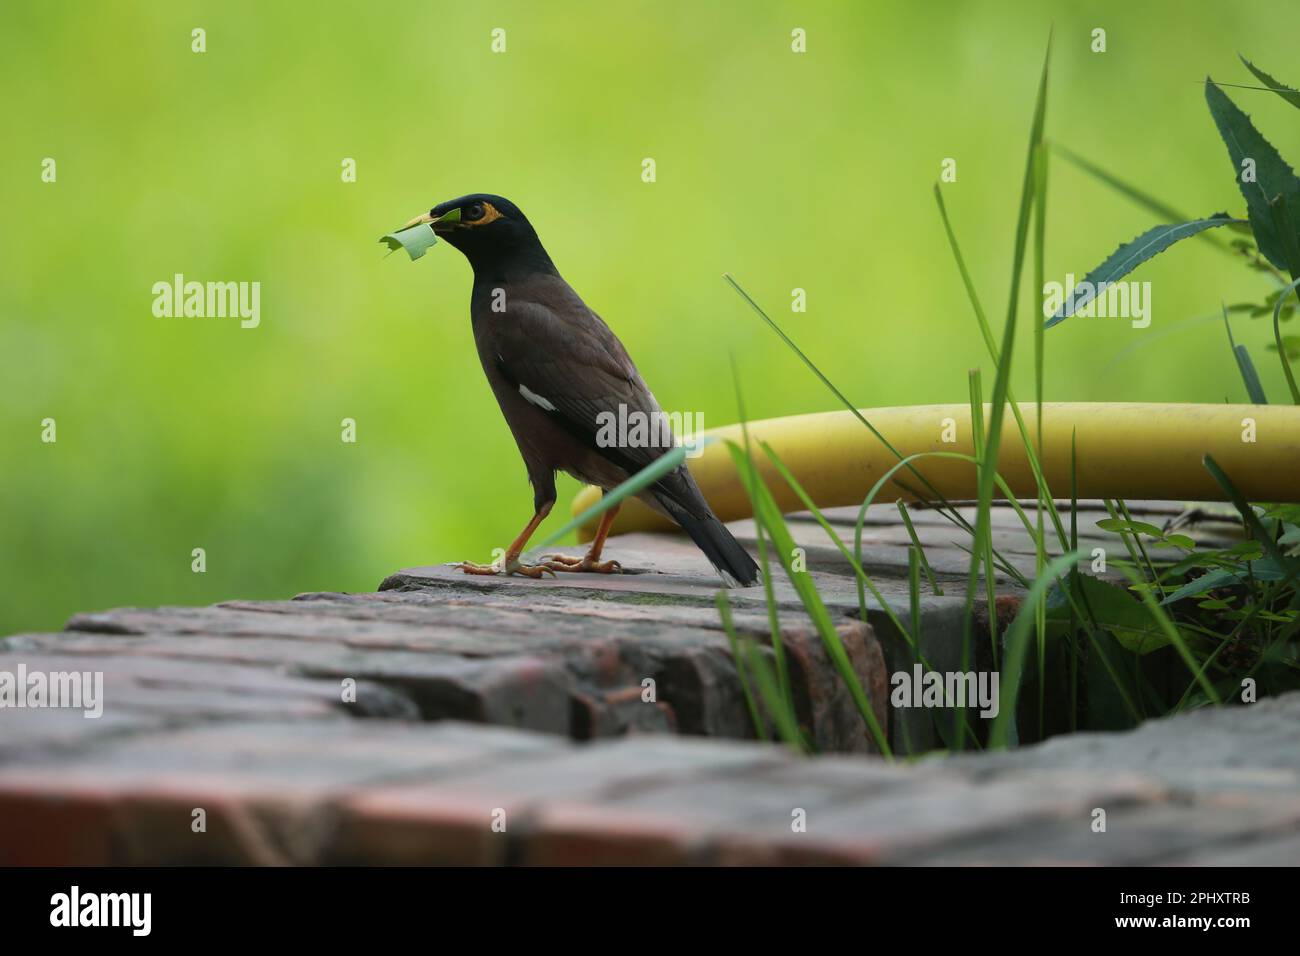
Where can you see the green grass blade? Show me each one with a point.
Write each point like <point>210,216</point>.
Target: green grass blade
<point>914,589</point>
<point>1251,521</point>
<point>1017,644</point>
<point>1040,545</point>
<point>1284,222</point>
<point>812,367</point>
<point>769,594</point>
<point>1254,389</point>
<point>1142,548</point>
<point>1171,631</point>
<point>989,459</point>
<point>975,394</point>
<point>947,510</point>
<point>1007,568</point>
<point>987,333</point>
<point>1144,199</point>
<point>767,511</point>
<point>986,555</point>
<point>733,639</point>
<point>909,634</point>
<point>1281,346</point>
<point>916,543</point>
<point>863,579</point>
<point>1127,537</point>
<point>1161,209</point>
<point>1074,585</point>
<point>786,724</point>
<point>1248,375</point>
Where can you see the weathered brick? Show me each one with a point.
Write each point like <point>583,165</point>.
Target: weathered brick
<point>237,709</point>
<point>1134,836</point>
<point>901,825</point>
<point>423,822</point>
<point>268,789</point>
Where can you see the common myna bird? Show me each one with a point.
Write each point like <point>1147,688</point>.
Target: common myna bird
<point>555,367</point>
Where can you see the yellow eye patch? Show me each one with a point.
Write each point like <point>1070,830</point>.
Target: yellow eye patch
<point>490,214</point>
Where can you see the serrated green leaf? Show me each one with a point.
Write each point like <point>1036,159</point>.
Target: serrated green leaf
<point>1263,570</point>
<point>1217,578</point>
<point>1288,94</point>
<point>1273,177</point>
<point>1128,257</point>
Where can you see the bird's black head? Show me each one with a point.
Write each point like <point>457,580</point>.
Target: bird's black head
<point>491,231</point>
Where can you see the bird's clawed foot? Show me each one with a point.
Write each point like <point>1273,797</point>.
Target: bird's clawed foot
<point>562,562</point>
<point>511,567</point>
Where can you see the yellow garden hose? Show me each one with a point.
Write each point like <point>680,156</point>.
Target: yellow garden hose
<point>1136,451</point>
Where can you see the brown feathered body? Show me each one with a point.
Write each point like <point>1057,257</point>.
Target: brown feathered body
<point>556,369</point>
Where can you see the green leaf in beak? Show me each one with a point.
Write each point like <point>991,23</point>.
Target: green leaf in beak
<point>416,241</point>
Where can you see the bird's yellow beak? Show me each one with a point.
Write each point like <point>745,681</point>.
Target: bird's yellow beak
<point>445,220</point>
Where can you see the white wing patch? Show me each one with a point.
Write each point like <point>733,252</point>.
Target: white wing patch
<point>535,398</point>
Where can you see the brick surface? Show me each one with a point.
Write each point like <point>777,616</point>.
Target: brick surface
<point>558,667</point>
<point>267,788</point>
<point>506,721</point>
<point>1166,832</point>
<point>381,791</point>
<point>514,691</point>
<point>151,691</point>
<point>1250,850</point>
<point>1249,747</point>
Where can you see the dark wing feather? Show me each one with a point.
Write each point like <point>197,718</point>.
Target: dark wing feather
<point>563,353</point>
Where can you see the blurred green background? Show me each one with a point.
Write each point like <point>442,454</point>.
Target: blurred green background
<point>788,170</point>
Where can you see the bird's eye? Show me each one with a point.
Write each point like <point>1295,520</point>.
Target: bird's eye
<point>473,213</point>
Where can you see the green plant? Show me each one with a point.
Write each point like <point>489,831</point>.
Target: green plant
<point>1172,634</point>
<point>1183,632</point>
<point>1271,190</point>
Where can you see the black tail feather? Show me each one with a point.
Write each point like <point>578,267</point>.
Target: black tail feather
<point>712,537</point>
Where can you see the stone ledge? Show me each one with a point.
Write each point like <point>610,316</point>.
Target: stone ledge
<point>382,792</point>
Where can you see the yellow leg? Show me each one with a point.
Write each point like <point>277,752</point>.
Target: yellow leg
<point>591,561</point>
<point>511,563</point>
